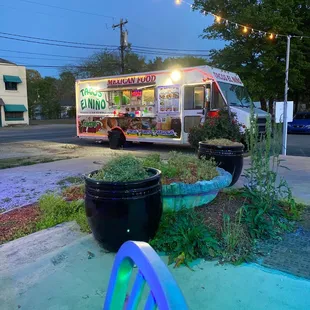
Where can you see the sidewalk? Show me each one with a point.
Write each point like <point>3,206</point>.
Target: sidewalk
<point>297,176</point>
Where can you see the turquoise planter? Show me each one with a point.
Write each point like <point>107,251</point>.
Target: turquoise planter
<point>180,195</point>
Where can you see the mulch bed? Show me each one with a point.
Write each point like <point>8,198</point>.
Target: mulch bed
<point>23,220</point>
<point>18,222</point>
<point>223,204</point>
<point>75,192</point>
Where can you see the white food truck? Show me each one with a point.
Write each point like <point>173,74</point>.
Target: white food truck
<point>160,106</point>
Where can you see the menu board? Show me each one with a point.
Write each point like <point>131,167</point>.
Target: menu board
<point>169,99</point>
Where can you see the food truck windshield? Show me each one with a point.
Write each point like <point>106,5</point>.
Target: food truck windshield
<point>235,94</point>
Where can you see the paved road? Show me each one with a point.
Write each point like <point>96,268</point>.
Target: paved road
<point>298,145</point>
<point>57,133</point>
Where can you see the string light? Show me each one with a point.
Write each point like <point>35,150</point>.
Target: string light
<point>217,19</point>
<point>245,28</point>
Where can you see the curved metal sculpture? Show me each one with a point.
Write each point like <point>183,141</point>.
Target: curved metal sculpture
<point>164,291</point>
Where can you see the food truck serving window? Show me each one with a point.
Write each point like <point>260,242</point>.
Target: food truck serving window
<point>131,97</point>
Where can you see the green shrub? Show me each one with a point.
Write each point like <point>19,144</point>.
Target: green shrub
<point>122,169</point>
<point>182,167</point>
<point>55,210</point>
<point>223,126</point>
<point>185,232</point>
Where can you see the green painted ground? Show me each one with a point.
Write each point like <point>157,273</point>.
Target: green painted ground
<point>67,279</point>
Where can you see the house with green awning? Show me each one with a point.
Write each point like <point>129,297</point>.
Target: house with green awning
<point>13,94</point>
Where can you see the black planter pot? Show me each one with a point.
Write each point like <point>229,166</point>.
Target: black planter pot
<point>118,212</point>
<point>230,158</point>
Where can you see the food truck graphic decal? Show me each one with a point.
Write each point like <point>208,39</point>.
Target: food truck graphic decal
<point>157,106</point>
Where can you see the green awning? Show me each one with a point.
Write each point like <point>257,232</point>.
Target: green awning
<point>12,78</point>
<point>15,108</point>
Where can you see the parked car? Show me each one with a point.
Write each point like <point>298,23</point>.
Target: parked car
<point>300,123</point>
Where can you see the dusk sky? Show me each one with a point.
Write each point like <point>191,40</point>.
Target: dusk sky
<point>151,23</point>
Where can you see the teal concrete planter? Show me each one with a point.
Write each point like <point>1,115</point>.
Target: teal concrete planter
<point>180,195</point>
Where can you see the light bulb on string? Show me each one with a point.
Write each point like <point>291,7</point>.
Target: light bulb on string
<point>245,29</point>
<point>271,36</point>
<point>252,31</point>
<point>217,18</point>
<point>276,36</point>
<point>236,26</point>
<point>226,22</point>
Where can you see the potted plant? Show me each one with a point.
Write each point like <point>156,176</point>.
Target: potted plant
<point>188,181</point>
<point>123,202</point>
<point>227,154</point>
<point>221,126</point>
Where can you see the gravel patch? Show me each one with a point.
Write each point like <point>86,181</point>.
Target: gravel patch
<point>19,189</point>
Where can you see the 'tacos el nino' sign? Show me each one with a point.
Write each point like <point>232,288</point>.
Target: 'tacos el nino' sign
<point>92,100</point>
<point>132,80</point>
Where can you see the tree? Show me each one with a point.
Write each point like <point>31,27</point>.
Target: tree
<point>259,60</point>
<point>176,62</point>
<point>33,80</point>
<point>49,98</point>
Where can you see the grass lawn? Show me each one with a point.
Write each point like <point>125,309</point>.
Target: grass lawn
<point>27,161</point>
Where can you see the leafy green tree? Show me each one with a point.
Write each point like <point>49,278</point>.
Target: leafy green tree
<point>259,60</point>
<point>49,100</point>
<point>176,62</point>
<point>33,80</point>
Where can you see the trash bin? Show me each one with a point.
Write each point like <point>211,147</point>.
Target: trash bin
<point>116,139</point>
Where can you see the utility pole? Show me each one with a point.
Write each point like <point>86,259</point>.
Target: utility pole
<point>123,41</point>
<point>284,137</point>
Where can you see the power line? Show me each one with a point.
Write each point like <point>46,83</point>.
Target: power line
<point>100,45</point>
<point>60,41</point>
<point>67,9</point>
<point>54,44</point>
<point>41,54</point>
<point>23,57</point>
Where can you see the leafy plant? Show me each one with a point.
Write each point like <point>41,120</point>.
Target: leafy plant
<point>263,213</point>
<point>182,168</point>
<point>122,169</point>
<point>185,232</point>
<point>56,210</point>
<point>224,126</point>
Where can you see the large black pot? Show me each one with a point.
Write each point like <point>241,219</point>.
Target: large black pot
<point>230,158</point>
<point>118,212</point>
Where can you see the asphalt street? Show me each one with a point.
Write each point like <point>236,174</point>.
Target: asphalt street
<point>298,145</point>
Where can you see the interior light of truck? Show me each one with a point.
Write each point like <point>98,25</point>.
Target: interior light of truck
<point>175,75</point>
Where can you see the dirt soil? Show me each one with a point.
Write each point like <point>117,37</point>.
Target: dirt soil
<point>18,222</point>
<point>224,203</point>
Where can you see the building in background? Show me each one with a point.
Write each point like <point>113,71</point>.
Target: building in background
<point>13,94</point>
